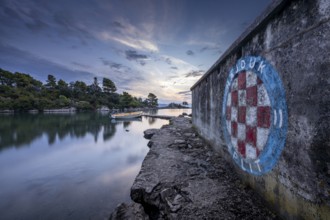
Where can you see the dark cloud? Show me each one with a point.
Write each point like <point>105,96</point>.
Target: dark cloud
<point>207,48</point>
<point>134,55</point>
<point>168,61</point>
<point>111,64</point>
<point>23,14</point>
<point>117,24</point>
<point>69,26</point>
<point>184,92</point>
<point>190,53</point>
<point>81,65</point>
<point>174,67</point>
<point>14,59</point>
<point>194,73</point>
<point>36,24</point>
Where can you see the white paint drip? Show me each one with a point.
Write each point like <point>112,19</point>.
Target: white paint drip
<point>275,117</point>
<point>280,125</point>
<point>242,165</point>
<point>269,36</point>
<point>258,167</point>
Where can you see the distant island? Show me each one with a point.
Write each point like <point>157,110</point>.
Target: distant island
<point>176,105</point>
<point>21,92</point>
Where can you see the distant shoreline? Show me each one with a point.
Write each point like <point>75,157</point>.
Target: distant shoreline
<point>74,110</point>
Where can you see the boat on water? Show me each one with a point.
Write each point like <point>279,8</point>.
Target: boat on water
<point>126,115</point>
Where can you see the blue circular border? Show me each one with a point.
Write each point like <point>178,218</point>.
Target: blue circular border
<point>279,116</point>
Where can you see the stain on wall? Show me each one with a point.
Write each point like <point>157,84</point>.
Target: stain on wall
<point>292,39</point>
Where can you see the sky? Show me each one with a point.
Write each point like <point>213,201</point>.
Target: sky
<point>143,46</point>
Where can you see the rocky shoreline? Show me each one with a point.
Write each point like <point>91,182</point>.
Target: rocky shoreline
<point>183,178</point>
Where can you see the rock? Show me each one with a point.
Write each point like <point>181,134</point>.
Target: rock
<point>191,182</point>
<point>132,211</point>
<point>188,134</point>
<point>179,141</point>
<point>150,143</point>
<point>149,133</point>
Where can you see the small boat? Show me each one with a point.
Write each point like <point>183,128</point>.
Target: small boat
<point>128,115</point>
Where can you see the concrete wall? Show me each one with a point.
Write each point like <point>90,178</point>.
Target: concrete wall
<point>294,38</point>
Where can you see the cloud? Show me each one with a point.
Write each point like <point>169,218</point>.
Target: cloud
<point>184,92</point>
<point>137,36</point>
<point>174,67</point>
<point>25,13</point>
<point>194,73</point>
<point>14,59</point>
<point>190,53</point>
<point>112,65</point>
<point>134,55</point>
<point>117,24</point>
<point>81,65</point>
<point>211,48</point>
<point>173,77</point>
<point>168,61</point>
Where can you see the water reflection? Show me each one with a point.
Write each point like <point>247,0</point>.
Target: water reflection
<point>76,166</point>
<point>21,129</point>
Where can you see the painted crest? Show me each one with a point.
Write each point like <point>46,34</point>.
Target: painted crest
<point>254,115</point>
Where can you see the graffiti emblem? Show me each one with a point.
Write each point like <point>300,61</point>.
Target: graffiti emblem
<point>254,115</point>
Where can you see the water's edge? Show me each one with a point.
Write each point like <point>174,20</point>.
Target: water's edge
<point>183,178</point>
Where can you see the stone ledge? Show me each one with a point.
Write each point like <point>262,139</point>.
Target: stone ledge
<point>183,178</point>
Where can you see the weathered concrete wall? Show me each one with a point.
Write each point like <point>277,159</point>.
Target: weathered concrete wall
<point>294,38</point>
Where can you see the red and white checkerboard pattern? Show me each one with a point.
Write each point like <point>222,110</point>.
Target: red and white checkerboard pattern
<point>248,115</point>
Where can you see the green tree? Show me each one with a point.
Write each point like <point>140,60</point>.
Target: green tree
<point>152,100</point>
<point>62,84</point>
<point>125,100</point>
<point>79,90</point>
<point>63,101</point>
<point>6,78</point>
<point>51,82</point>
<point>109,86</point>
<point>63,88</point>
<point>94,87</point>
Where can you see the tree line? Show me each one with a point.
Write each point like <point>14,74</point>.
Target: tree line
<point>21,92</point>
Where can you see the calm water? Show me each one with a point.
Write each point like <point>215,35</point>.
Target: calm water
<point>63,166</point>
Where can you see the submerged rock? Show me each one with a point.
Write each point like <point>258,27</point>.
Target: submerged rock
<point>149,133</point>
<point>132,211</point>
